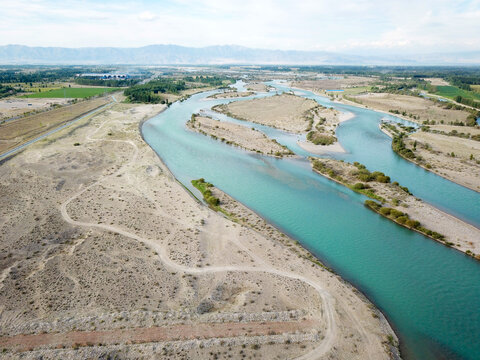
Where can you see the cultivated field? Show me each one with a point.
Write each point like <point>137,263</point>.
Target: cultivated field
<point>452,91</point>
<point>68,92</point>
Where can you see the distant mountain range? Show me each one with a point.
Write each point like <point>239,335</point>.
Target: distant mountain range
<point>226,54</point>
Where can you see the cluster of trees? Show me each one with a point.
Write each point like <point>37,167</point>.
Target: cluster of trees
<point>399,147</point>
<point>148,93</point>
<point>209,80</point>
<point>7,91</point>
<point>363,174</point>
<point>469,102</point>
<point>21,75</point>
<point>204,188</point>
<point>105,82</point>
<point>403,219</point>
<point>404,87</point>
<point>464,81</point>
<point>320,139</point>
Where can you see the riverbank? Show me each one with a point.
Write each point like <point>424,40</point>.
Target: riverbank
<point>397,204</point>
<point>237,135</point>
<point>454,158</point>
<point>124,225</point>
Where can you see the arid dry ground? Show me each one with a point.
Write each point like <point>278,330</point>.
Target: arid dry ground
<point>237,135</point>
<point>19,131</point>
<point>293,114</point>
<point>230,94</point>
<point>460,235</point>
<point>453,157</point>
<point>437,81</point>
<point>286,111</point>
<point>104,254</point>
<point>13,107</point>
<point>257,87</point>
<point>422,109</point>
<point>334,82</point>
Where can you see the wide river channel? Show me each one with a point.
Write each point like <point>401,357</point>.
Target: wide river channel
<point>429,293</point>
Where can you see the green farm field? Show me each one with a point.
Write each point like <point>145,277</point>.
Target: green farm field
<point>70,93</point>
<point>452,91</point>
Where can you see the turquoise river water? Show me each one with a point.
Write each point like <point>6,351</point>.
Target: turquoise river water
<point>429,293</point>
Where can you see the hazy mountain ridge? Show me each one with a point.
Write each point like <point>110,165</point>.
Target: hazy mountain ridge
<point>224,54</point>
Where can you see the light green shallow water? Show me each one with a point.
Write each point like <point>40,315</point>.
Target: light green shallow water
<point>430,293</point>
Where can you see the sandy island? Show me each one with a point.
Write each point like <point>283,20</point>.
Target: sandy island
<point>454,232</point>
<point>237,135</point>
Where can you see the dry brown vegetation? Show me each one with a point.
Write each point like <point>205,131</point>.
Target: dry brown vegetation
<point>325,83</point>
<point>414,108</point>
<point>257,87</point>
<point>17,132</point>
<point>452,157</point>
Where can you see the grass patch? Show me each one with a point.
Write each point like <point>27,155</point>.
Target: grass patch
<point>70,93</point>
<point>452,91</point>
<point>212,201</point>
<point>357,90</point>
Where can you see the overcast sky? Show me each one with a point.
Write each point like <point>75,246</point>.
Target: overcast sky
<point>350,26</point>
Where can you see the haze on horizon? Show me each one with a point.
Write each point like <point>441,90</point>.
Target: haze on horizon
<point>349,26</point>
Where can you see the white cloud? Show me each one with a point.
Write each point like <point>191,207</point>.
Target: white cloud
<point>345,25</point>
<point>147,16</point>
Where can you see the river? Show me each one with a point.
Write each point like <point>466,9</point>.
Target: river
<point>429,293</point>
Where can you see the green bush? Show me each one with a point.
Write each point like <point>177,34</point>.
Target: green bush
<point>385,211</point>
<point>412,223</point>
<point>359,186</point>
<point>402,219</point>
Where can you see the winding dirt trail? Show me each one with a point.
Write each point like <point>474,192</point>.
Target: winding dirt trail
<point>328,317</point>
